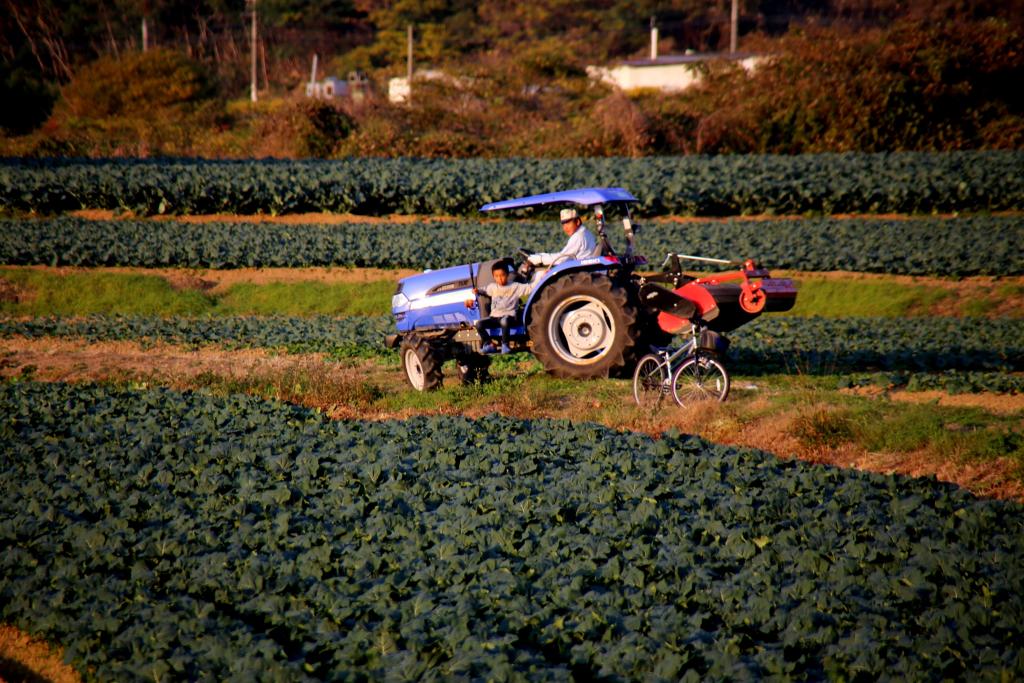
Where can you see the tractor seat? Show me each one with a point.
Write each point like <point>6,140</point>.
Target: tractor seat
<point>486,277</point>
<point>492,323</point>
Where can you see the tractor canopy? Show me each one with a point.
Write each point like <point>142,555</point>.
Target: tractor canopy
<point>587,196</point>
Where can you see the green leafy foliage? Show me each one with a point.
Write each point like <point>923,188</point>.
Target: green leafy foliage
<point>725,185</point>
<point>977,245</point>
<point>950,381</point>
<point>165,535</point>
<point>826,345</point>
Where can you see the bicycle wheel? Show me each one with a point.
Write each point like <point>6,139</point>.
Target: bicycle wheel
<point>650,381</point>
<point>700,378</point>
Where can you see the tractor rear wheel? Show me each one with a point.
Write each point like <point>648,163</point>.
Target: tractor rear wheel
<point>421,363</point>
<point>584,326</point>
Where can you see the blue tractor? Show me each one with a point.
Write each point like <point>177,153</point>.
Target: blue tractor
<point>583,318</point>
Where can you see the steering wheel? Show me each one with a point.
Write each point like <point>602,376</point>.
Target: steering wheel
<point>525,268</point>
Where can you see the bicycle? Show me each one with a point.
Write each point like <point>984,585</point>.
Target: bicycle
<point>690,373</point>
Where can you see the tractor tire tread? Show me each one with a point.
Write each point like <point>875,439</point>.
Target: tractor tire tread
<point>619,359</point>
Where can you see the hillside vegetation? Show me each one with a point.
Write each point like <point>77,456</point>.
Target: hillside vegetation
<point>937,78</point>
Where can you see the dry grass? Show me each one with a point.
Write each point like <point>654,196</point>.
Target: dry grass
<point>285,219</point>
<point>23,658</point>
<point>1000,404</point>
<point>12,292</point>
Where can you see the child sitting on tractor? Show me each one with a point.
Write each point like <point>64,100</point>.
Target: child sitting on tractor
<point>505,297</point>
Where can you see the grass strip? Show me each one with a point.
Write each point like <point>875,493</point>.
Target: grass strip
<point>32,292</point>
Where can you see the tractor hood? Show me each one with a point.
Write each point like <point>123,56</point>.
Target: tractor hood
<point>434,282</point>
<point>587,196</point>
<point>435,298</point>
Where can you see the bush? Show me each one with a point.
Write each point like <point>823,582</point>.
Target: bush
<point>302,128</point>
<point>143,103</point>
<point>35,99</point>
<point>909,87</point>
<point>446,118</point>
<point>135,86</point>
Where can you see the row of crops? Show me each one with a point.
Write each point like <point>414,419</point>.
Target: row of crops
<point>949,381</point>
<point>768,344</point>
<point>692,185</point>
<point>160,535</point>
<point>978,245</point>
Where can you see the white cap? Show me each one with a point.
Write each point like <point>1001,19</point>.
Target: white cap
<point>567,215</point>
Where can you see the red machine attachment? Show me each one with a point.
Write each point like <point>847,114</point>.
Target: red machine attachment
<point>757,287</point>
<point>723,300</point>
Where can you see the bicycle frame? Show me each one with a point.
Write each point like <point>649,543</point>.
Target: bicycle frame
<point>671,359</point>
<point>660,370</point>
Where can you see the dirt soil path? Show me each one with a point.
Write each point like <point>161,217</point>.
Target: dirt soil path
<point>340,218</point>
<point>219,281</point>
<point>998,404</point>
<point>286,219</point>
<point>62,360</point>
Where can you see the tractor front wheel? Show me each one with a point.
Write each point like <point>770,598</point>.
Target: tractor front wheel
<point>421,363</point>
<point>584,326</point>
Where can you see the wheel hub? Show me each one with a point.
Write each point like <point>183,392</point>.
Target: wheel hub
<point>584,329</point>
<point>414,369</point>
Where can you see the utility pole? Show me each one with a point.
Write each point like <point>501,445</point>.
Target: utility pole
<point>734,25</point>
<point>408,61</point>
<point>253,61</point>
<point>145,25</point>
<point>654,40</point>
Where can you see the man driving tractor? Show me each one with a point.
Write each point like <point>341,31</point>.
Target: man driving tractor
<point>581,245</point>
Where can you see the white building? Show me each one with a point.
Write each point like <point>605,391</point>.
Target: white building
<point>355,86</point>
<point>327,89</point>
<point>398,88</point>
<point>671,73</point>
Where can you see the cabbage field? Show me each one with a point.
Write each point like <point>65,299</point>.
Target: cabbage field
<point>906,182</point>
<point>974,245</point>
<point>162,535</point>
